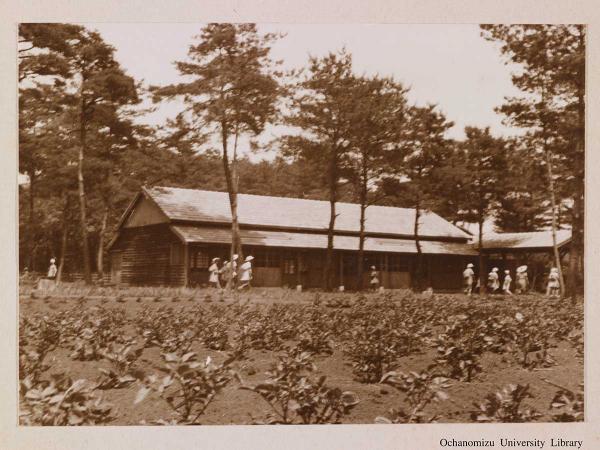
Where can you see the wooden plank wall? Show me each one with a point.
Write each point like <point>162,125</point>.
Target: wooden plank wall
<point>146,257</point>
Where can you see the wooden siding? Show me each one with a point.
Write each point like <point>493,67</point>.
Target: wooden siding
<point>267,277</point>
<point>145,213</point>
<point>146,256</point>
<point>445,272</point>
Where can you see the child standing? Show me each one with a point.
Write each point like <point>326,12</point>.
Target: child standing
<point>246,273</point>
<point>493,280</point>
<point>374,283</point>
<point>522,280</point>
<point>553,289</point>
<point>506,283</point>
<point>52,270</point>
<point>229,272</point>
<point>468,275</point>
<point>213,279</point>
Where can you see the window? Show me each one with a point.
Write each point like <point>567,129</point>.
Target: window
<point>264,257</point>
<point>199,259</point>
<point>176,254</point>
<point>398,263</point>
<point>289,266</point>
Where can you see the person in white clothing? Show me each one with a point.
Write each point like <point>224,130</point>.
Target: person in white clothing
<point>506,283</point>
<point>52,270</point>
<point>374,282</point>
<point>553,289</point>
<point>213,278</point>
<point>468,276</point>
<point>246,273</point>
<point>522,280</point>
<point>493,280</point>
<point>229,272</point>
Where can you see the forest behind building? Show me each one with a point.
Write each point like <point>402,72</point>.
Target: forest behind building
<point>349,137</point>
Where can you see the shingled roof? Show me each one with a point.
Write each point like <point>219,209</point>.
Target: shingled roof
<point>528,240</point>
<point>282,239</point>
<point>198,206</point>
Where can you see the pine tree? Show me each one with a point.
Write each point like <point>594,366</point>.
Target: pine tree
<point>43,54</point>
<point>234,92</point>
<point>523,204</point>
<point>322,111</point>
<point>482,160</point>
<point>377,126</point>
<point>425,154</point>
<point>552,108</point>
<point>100,88</point>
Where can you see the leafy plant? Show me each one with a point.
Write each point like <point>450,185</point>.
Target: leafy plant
<point>189,386</point>
<point>506,406</point>
<point>570,406</point>
<point>213,333</point>
<point>531,334</point>
<point>36,339</point>
<point>372,351</point>
<point>294,397</point>
<point>122,357</point>
<point>421,389</point>
<point>62,402</point>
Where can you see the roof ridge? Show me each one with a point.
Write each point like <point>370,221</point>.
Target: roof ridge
<point>292,198</point>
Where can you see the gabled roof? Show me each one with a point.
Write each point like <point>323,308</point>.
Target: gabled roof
<point>190,205</point>
<point>529,240</point>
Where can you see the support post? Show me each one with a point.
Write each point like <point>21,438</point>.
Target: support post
<point>387,270</point>
<point>341,256</point>
<point>298,274</point>
<point>186,264</point>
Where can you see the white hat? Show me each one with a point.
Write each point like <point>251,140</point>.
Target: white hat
<point>249,258</point>
<point>372,267</point>
<point>215,259</point>
<point>469,266</point>
<point>52,260</point>
<point>521,269</point>
<point>234,257</point>
<point>495,269</point>
<point>507,271</point>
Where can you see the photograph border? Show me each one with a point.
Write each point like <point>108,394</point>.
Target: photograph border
<point>272,11</point>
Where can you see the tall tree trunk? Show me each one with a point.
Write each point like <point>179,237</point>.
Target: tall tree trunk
<point>360,266</point>
<point>554,226</point>
<point>418,272</point>
<point>63,243</point>
<point>32,222</point>
<point>482,274</point>
<point>87,271</point>
<point>237,239</point>
<point>230,171</point>
<point>332,174</point>
<point>576,272</point>
<point>100,254</point>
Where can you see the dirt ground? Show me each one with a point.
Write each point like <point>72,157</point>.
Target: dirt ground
<point>236,406</point>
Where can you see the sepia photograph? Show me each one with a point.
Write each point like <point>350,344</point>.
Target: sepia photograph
<point>238,223</point>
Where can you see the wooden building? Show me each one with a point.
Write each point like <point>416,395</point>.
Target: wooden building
<point>168,236</point>
<point>535,249</point>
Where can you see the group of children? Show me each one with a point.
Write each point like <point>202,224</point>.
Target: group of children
<point>228,273</point>
<point>522,281</point>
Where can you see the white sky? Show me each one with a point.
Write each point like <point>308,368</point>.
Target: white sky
<point>450,65</point>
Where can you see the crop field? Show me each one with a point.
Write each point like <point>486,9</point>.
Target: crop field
<point>166,356</point>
